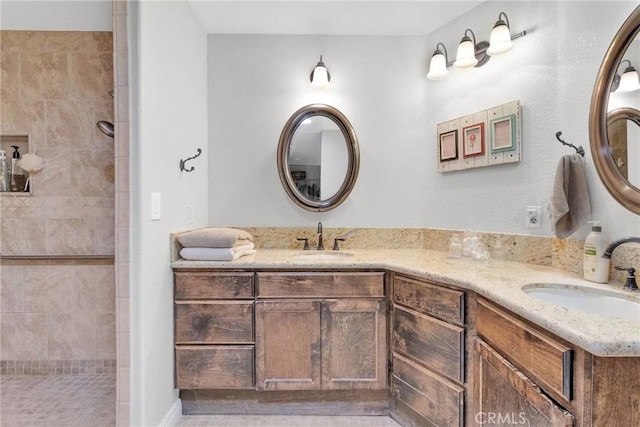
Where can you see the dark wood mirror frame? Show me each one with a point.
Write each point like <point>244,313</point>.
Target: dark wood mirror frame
<point>353,161</point>
<point>615,182</point>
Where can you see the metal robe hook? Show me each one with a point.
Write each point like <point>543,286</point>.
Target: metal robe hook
<point>579,149</point>
<point>183,161</point>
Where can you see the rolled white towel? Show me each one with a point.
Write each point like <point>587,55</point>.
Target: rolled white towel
<point>217,254</point>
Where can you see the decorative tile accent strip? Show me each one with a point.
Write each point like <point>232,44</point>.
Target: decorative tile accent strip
<point>57,367</point>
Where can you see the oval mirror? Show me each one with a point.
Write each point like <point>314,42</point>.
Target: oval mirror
<point>318,157</point>
<point>613,134</point>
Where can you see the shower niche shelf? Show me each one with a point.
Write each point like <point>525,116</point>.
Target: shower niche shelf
<point>7,142</point>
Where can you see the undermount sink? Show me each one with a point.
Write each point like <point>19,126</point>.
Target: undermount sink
<point>322,255</point>
<point>588,300</point>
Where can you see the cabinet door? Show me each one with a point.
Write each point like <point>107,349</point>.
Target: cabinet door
<point>288,345</point>
<point>354,345</point>
<point>505,397</point>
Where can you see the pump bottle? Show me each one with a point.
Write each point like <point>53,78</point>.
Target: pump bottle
<point>596,268</point>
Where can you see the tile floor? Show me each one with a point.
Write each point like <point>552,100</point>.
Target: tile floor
<point>89,401</point>
<point>57,400</point>
<point>283,421</point>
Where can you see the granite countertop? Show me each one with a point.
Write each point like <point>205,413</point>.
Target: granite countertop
<point>497,280</point>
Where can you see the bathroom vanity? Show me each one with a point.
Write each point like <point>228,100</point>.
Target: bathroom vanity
<point>425,339</point>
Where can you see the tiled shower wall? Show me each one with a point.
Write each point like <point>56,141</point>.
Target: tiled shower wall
<point>54,87</point>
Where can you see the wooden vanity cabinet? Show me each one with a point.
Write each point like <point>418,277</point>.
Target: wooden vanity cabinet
<point>321,331</point>
<point>214,337</point>
<point>528,376</point>
<point>427,353</point>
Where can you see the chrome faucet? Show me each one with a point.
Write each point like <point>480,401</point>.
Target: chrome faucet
<point>631,284</point>
<point>320,247</point>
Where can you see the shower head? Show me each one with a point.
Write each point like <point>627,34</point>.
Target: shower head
<point>105,127</point>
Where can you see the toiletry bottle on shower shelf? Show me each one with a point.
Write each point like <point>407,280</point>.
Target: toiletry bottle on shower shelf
<point>5,174</point>
<point>596,268</point>
<point>17,174</point>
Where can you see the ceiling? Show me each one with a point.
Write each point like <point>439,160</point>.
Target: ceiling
<point>328,17</point>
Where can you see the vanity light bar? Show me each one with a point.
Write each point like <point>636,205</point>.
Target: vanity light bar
<point>471,53</point>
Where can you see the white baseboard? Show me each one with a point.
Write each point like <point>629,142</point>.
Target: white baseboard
<point>173,416</point>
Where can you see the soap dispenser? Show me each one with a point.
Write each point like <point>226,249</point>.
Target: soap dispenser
<point>17,174</point>
<point>596,268</point>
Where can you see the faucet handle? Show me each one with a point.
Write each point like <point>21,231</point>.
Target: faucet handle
<point>335,243</point>
<point>306,243</point>
<point>631,284</point>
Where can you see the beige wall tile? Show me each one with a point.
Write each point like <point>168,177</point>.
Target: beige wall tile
<point>92,173</point>
<point>24,336</point>
<point>122,393</point>
<point>106,336</point>
<point>11,289</point>
<point>122,243</point>
<point>71,336</point>
<point>122,209</point>
<point>122,275</point>
<point>69,123</point>
<point>25,117</point>
<point>123,315</point>
<point>20,40</point>
<point>22,236</point>
<point>94,288</point>
<point>103,231</point>
<point>43,75</point>
<point>124,350</point>
<point>90,75</point>
<point>59,232</point>
<point>55,178</point>
<point>48,289</point>
<point>9,75</point>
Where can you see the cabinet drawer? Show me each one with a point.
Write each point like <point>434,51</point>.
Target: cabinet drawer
<point>429,341</point>
<point>547,361</point>
<point>439,401</point>
<point>424,297</point>
<point>203,322</point>
<point>320,285</point>
<point>212,367</point>
<point>211,285</point>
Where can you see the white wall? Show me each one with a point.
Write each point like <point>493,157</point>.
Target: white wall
<point>169,84</point>
<point>93,15</point>
<point>256,82</point>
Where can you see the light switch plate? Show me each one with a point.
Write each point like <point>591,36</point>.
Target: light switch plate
<point>156,206</point>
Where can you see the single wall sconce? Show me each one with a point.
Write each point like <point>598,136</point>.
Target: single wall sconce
<point>629,80</point>
<point>320,76</point>
<point>472,53</point>
<point>438,67</point>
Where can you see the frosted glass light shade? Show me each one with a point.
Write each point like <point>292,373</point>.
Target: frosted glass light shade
<point>437,67</point>
<point>320,76</point>
<point>466,56</point>
<point>629,81</point>
<point>500,40</point>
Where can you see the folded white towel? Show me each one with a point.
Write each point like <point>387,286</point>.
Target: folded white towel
<point>214,237</point>
<point>569,206</point>
<point>217,254</point>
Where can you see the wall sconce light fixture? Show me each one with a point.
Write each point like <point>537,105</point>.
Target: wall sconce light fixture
<point>320,76</point>
<point>438,66</point>
<point>629,80</point>
<point>472,53</point>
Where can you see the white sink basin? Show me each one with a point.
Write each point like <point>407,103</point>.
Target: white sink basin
<point>594,301</point>
<point>323,255</point>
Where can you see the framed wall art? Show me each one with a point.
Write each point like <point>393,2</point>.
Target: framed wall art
<point>502,133</point>
<point>449,145</point>
<point>473,140</point>
<point>484,138</point>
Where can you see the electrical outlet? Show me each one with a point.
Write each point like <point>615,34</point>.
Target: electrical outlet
<point>534,216</point>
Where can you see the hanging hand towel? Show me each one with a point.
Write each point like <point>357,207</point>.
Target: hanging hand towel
<point>214,237</point>
<point>569,206</point>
